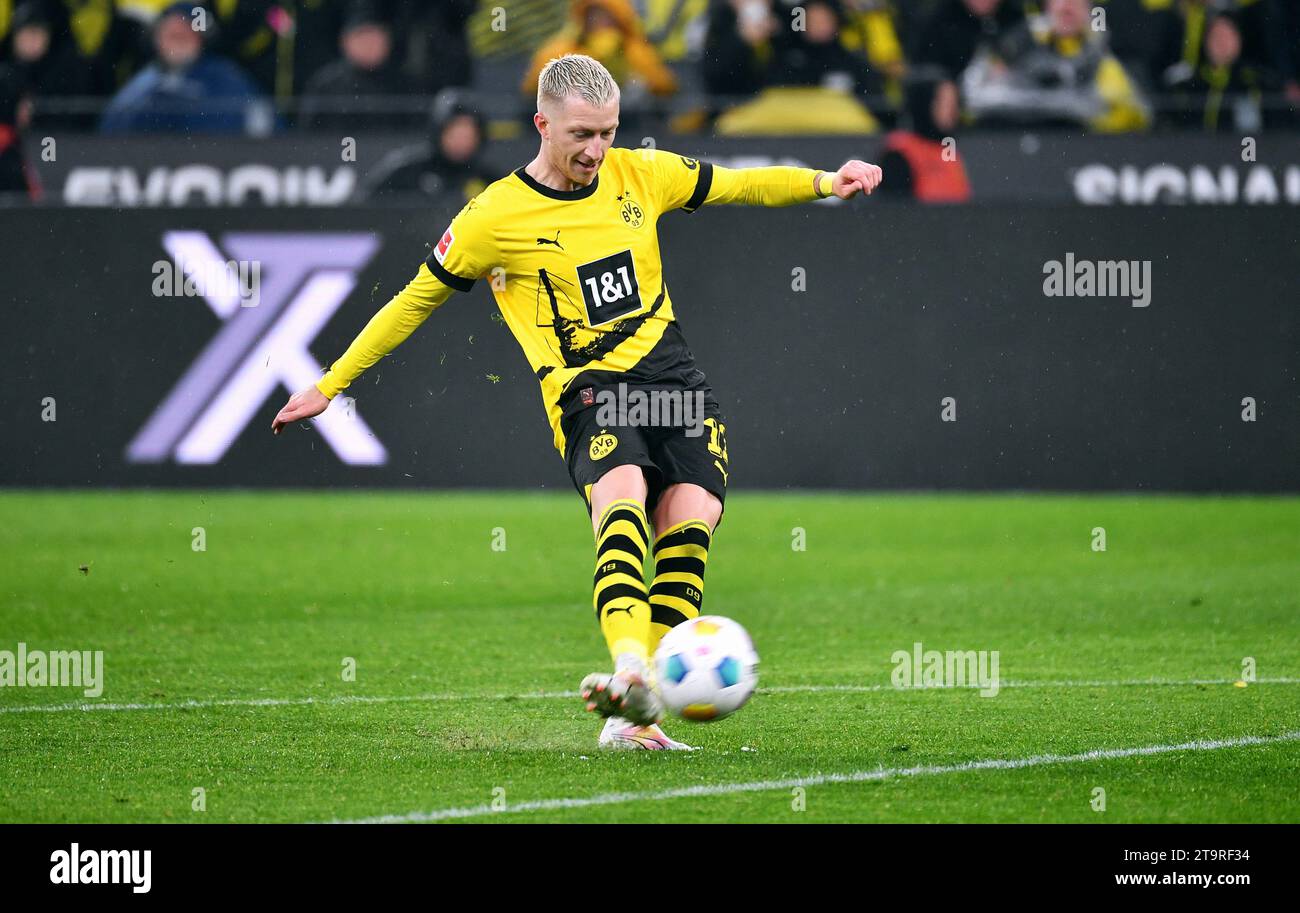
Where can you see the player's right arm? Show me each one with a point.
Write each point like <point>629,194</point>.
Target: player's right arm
<point>462,255</point>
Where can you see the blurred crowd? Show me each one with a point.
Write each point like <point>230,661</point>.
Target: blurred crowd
<point>226,66</point>
<point>732,66</point>
<point>920,68</point>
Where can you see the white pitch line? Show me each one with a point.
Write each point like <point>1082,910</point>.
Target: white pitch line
<point>860,776</point>
<point>287,702</point>
<point>343,700</point>
<point>1122,683</point>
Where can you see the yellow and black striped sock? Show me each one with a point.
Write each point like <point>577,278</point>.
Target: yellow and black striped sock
<point>618,589</point>
<point>681,552</point>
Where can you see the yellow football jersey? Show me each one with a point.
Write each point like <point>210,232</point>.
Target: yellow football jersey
<point>576,274</point>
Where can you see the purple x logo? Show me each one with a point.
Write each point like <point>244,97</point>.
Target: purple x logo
<point>304,280</point>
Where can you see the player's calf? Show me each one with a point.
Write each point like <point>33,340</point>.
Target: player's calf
<point>677,593</point>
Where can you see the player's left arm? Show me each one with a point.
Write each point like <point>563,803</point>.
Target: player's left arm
<point>783,185</point>
<point>688,184</point>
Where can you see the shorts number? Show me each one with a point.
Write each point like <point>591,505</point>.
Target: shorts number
<point>717,438</point>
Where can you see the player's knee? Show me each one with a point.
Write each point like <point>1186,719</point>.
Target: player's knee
<point>622,483</point>
<point>687,502</point>
<point>708,508</point>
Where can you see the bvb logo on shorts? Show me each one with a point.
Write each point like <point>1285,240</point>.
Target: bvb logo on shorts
<point>602,445</point>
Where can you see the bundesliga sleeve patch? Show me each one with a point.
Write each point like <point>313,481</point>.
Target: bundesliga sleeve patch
<point>440,252</point>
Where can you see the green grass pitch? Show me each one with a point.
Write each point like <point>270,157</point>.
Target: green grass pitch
<point>465,657</point>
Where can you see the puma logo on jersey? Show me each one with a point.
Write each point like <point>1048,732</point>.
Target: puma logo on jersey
<point>556,242</point>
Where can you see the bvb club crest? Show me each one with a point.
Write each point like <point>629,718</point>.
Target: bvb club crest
<point>602,445</point>
<point>632,213</point>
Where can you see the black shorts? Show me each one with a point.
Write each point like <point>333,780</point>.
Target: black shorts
<point>694,450</point>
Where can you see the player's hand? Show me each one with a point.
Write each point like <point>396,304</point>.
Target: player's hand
<point>854,177</point>
<point>306,404</point>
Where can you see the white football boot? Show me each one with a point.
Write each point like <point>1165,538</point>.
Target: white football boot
<point>620,735</point>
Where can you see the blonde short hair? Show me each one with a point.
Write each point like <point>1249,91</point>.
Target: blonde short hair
<point>576,74</point>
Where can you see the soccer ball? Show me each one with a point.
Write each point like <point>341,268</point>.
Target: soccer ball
<point>707,668</point>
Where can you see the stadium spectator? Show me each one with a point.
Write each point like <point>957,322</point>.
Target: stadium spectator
<point>450,162</point>
<point>814,56</point>
<point>871,28</point>
<point>611,32</point>
<point>959,29</point>
<point>363,87</point>
<point>511,41</point>
<point>98,30</point>
<point>438,56</point>
<point>249,32</point>
<point>1136,31</point>
<point>675,27</point>
<point>1260,24</point>
<point>1289,38</point>
<point>922,160</point>
<point>1055,70</point>
<point>279,45</point>
<point>813,84</point>
<point>752,45</point>
<point>738,46</point>
<point>316,26</point>
<point>17,179</point>
<point>186,89</point>
<point>46,58</point>
<point>1223,92</point>
<point>1263,59</point>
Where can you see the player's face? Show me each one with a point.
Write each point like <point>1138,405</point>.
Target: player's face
<point>578,135</point>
